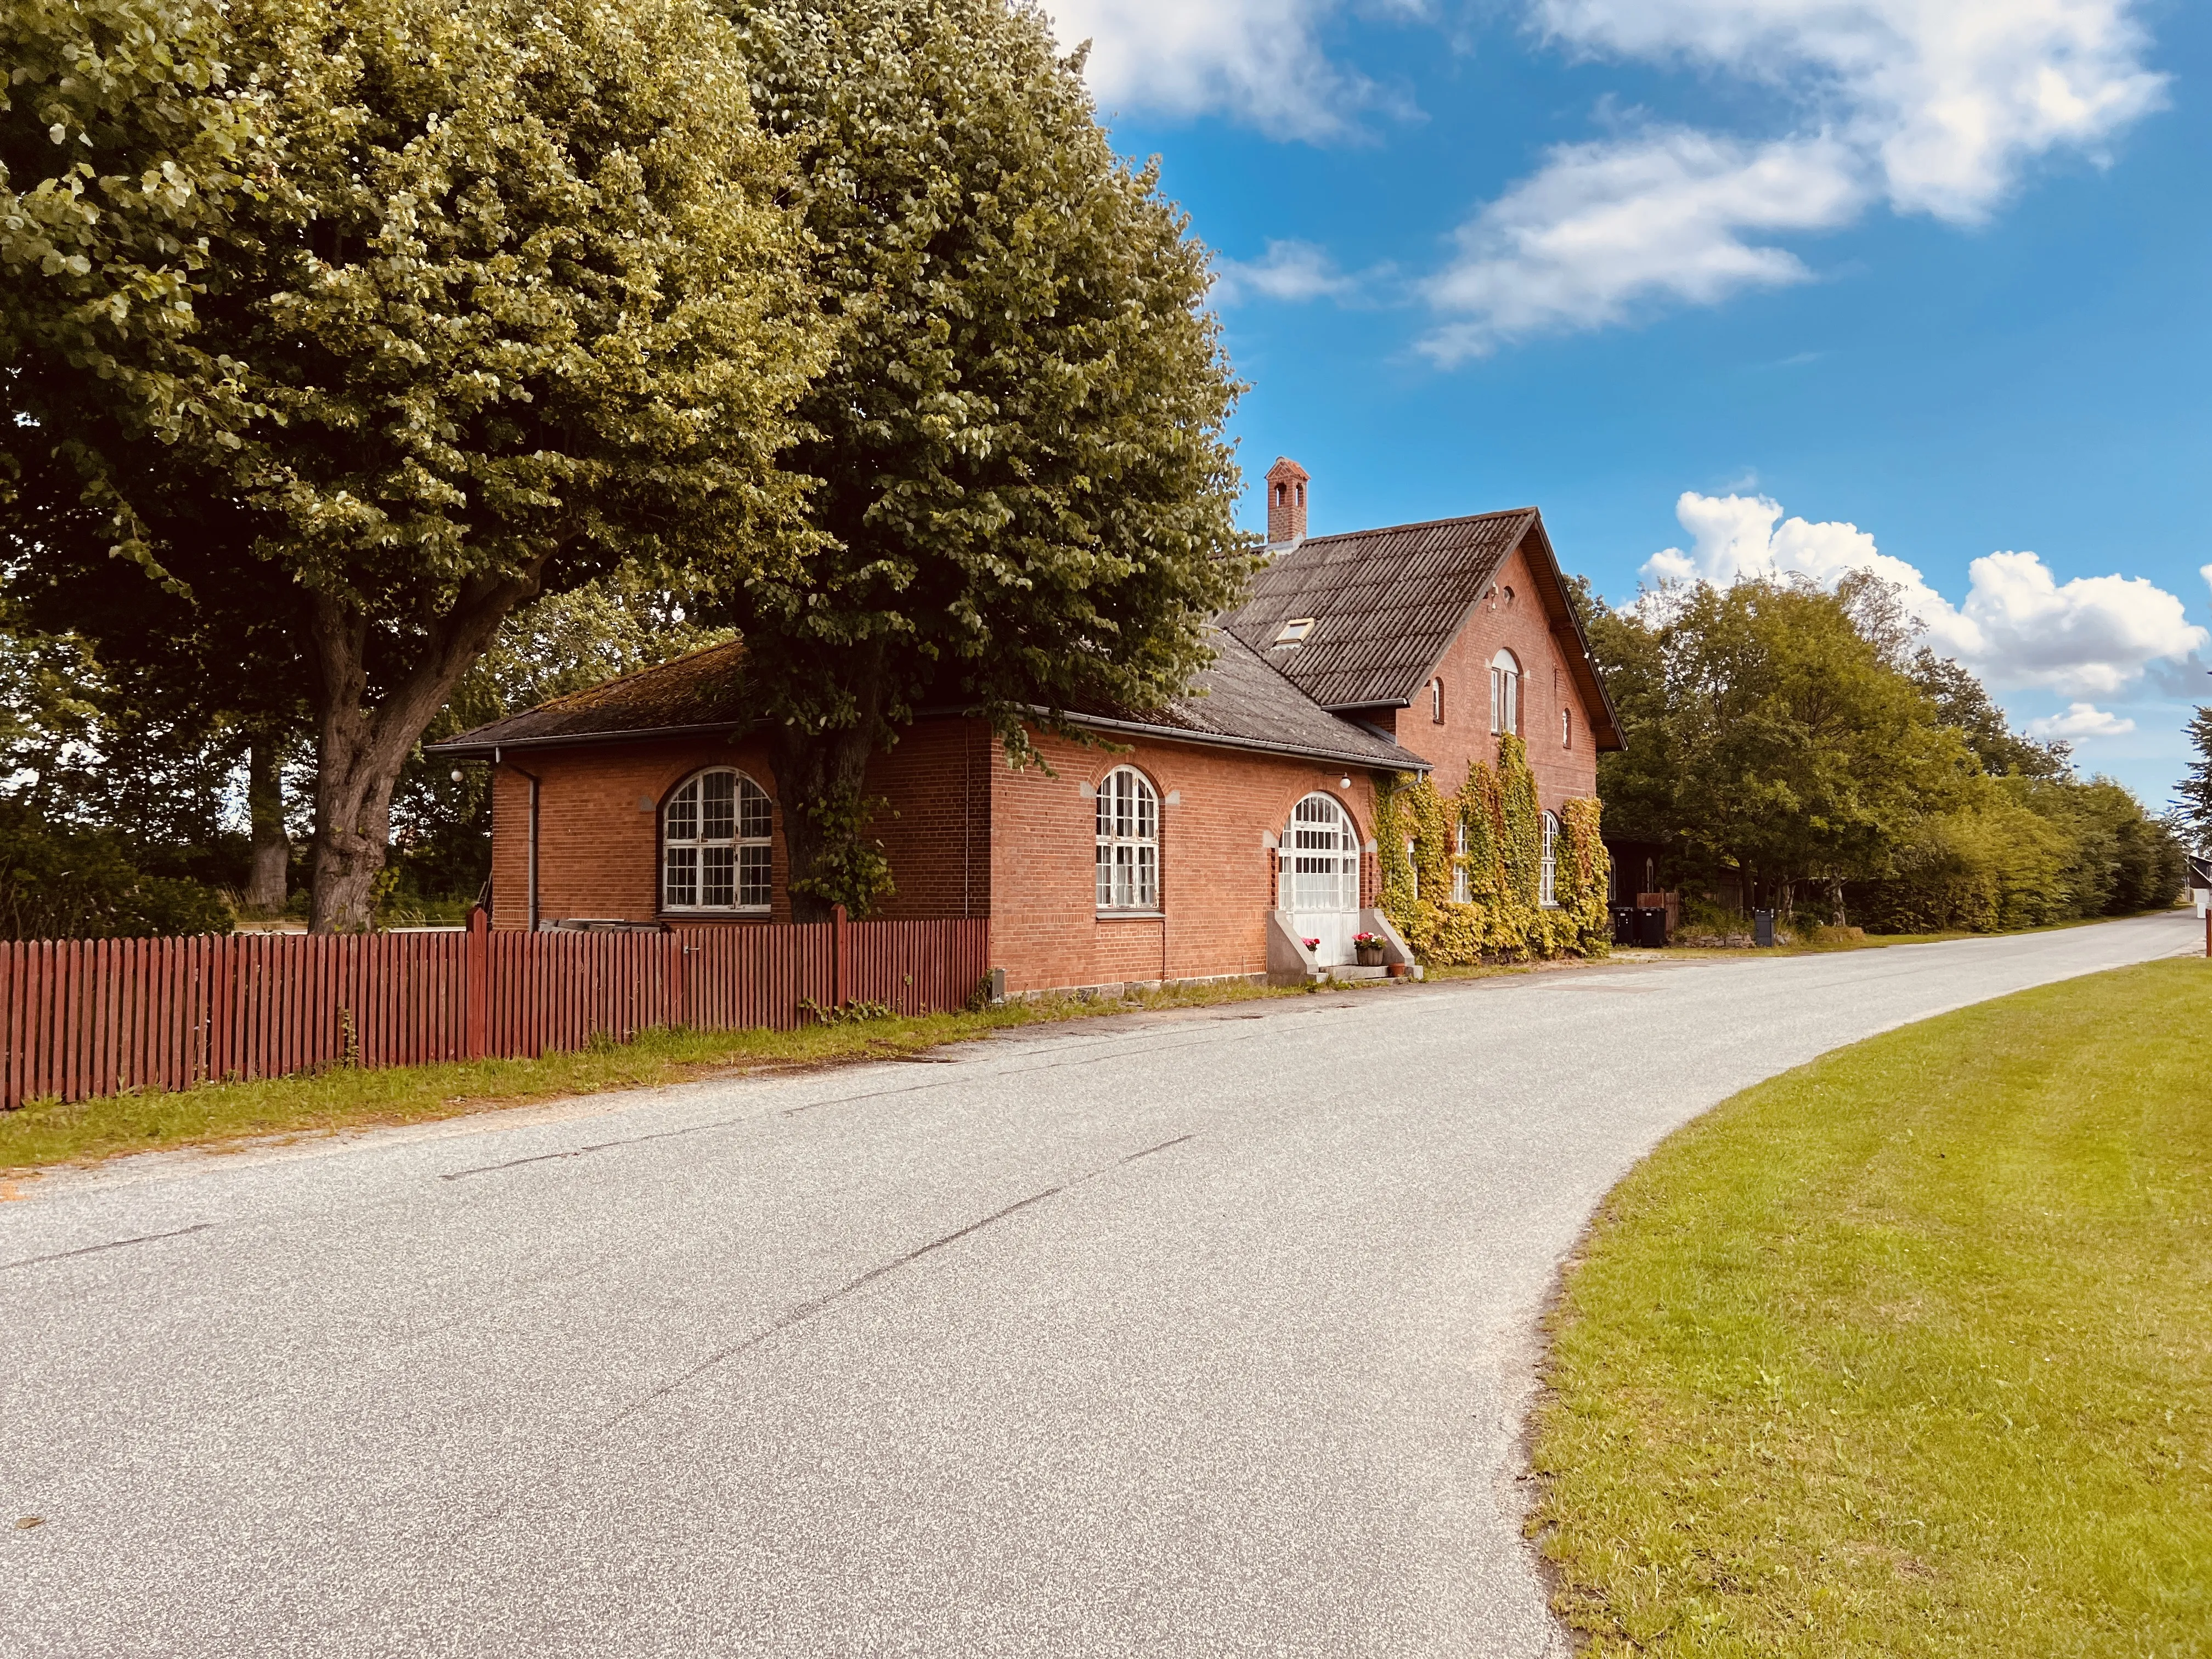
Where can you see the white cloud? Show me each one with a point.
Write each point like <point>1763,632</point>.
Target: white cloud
<point>1256,60</point>
<point>2018,627</point>
<point>1669,214</point>
<point>2081,720</point>
<point>2207,574</point>
<point>1949,98</point>
<point>1291,271</point>
<point>1936,106</point>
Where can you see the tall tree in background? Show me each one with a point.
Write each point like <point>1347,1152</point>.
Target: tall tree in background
<point>1778,734</point>
<point>1770,737</point>
<point>513,302</point>
<point>1024,499</point>
<point>2194,803</point>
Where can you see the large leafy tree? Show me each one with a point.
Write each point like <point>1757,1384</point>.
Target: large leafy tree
<point>1770,738</point>
<point>1024,499</point>
<point>512,300</point>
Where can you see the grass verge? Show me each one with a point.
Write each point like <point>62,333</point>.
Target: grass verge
<point>47,1133</point>
<point>1906,1352</point>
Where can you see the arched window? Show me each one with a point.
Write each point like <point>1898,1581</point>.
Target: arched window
<point>1567,728</point>
<point>1505,692</point>
<point>1128,842</point>
<point>1320,858</point>
<point>1547,885</point>
<point>715,852</point>
<point>1437,701</point>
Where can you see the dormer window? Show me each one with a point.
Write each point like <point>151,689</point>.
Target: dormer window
<point>1295,631</point>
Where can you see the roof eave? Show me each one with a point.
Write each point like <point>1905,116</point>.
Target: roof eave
<point>1404,761</point>
<point>470,746</point>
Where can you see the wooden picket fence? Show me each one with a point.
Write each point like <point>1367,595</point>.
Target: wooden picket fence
<point>83,1018</point>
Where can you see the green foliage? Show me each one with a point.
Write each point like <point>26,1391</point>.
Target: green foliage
<point>124,143</point>
<point>514,299</point>
<point>63,883</point>
<point>1497,820</point>
<point>1779,740</point>
<point>1023,494</point>
<point>2194,807</point>
<point>852,868</point>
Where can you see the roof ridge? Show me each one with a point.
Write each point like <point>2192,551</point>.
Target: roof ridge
<point>1418,524</point>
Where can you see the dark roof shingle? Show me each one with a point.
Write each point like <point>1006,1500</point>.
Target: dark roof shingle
<point>1239,702</point>
<point>1385,604</point>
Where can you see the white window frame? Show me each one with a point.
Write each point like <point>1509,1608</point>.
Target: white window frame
<point>1567,728</point>
<point>1462,889</point>
<point>713,865</point>
<point>1548,882</point>
<point>1437,701</point>
<point>1505,678</point>
<point>1319,858</point>
<point>1127,873</point>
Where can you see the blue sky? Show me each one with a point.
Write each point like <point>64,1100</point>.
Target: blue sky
<point>1768,283</point>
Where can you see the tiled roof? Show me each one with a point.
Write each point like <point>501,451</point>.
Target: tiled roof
<point>1246,704</point>
<point>700,692</point>
<point>1242,703</point>
<point>1385,604</point>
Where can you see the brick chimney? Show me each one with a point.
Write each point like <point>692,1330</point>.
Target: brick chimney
<point>1286,502</point>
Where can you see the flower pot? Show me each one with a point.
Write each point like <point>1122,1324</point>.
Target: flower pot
<point>1399,970</point>
<point>1369,956</point>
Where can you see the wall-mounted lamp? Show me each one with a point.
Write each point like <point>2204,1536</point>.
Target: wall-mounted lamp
<point>1344,782</point>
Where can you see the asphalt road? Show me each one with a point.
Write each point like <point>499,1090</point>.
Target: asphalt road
<point>1203,1333</point>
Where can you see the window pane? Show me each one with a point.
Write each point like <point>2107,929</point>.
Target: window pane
<point>1147,823</point>
<point>754,819</point>
<point>753,877</point>
<point>1105,874</point>
<point>718,877</point>
<point>683,813</point>
<point>1148,877</point>
<point>682,884</point>
<point>1106,809</point>
<point>718,805</point>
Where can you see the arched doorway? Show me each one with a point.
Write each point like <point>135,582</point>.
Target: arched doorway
<point>1319,880</point>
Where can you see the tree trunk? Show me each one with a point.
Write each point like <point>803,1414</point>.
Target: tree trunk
<point>270,868</point>
<point>812,768</point>
<point>1836,900</point>
<point>359,750</point>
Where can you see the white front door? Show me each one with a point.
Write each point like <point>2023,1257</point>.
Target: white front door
<point>1319,882</point>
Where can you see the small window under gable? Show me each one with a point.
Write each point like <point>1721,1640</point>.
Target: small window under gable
<point>1437,701</point>
<point>717,852</point>
<point>1567,728</point>
<point>1505,678</point>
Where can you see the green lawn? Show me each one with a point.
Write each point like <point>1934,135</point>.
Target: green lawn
<point>47,1133</point>
<point>1908,1350</point>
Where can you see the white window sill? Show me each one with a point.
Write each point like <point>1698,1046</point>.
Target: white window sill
<point>711,912</point>
<point>1132,915</point>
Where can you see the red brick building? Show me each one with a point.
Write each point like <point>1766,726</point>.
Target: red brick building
<point>1218,835</point>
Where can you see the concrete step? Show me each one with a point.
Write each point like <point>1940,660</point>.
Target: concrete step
<point>1355,972</point>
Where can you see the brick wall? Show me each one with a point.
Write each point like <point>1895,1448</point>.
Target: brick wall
<point>1520,625</point>
<point>1217,871</point>
<point>599,815</point>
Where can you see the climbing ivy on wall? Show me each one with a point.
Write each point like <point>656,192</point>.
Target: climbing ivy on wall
<point>1500,918</point>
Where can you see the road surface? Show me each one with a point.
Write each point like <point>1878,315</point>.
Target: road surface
<point>1204,1332</point>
